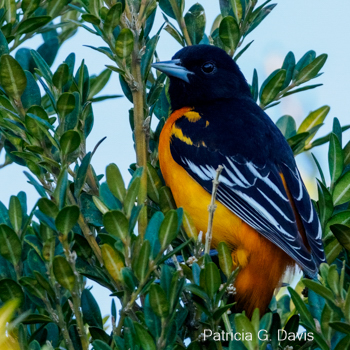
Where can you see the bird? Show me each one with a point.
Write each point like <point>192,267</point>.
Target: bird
<point>264,212</point>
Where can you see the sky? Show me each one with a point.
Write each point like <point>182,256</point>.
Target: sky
<point>294,25</point>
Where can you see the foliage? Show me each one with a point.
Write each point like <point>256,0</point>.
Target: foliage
<point>84,224</point>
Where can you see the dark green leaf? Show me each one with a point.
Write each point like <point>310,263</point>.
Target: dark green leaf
<point>115,181</point>
<point>287,126</point>
<point>272,86</point>
<point>81,174</point>
<point>142,261</point>
<point>15,213</point>
<point>195,23</point>
<point>63,273</point>
<point>341,193</point>
<point>124,43</point>
<point>335,158</point>
<point>116,223</point>
<point>91,310</point>
<point>229,32</point>
<point>67,218</point>
<point>70,141</point>
<point>31,24</point>
<point>158,300</point>
<point>10,245</point>
<point>342,233</point>
<point>301,307</point>
<point>12,77</point>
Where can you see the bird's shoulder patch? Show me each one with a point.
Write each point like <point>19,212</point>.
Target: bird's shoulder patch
<point>187,128</point>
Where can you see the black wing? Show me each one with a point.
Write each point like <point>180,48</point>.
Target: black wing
<point>256,194</point>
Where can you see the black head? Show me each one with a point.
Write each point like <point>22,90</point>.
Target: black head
<point>202,74</point>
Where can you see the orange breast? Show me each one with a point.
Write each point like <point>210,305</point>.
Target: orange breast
<point>191,196</point>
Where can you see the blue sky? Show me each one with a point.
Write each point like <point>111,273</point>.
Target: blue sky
<point>294,25</point>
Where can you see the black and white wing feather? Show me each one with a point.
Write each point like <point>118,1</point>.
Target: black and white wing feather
<point>257,195</point>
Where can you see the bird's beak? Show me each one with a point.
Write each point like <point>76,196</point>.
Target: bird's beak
<point>173,69</point>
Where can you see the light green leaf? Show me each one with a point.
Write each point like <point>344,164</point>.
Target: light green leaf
<point>63,273</point>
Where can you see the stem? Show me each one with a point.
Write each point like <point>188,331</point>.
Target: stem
<point>183,27</point>
<point>63,327</point>
<point>79,318</point>
<point>140,132</point>
<point>211,209</point>
<point>87,233</point>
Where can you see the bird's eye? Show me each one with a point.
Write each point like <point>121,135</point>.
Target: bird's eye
<point>208,67</point>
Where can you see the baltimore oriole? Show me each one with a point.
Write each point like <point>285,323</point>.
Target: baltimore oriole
<point>264,212</point>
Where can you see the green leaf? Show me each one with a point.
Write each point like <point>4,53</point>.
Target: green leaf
<point>87,17</point>
<point>168,229</point>
<point>174,33</point>
<point>61,188</point>
<point>31,95</point>
<point>335,158</point>
<point>166,200</point>
<point>36,318</point>
<point>325,203</point>
<point>70,141</point>
<point>142,261</point>
<point>12,77</point>
<point>15,213</point>
<point>258,16</point>
<point>342,233</point>
<point>113,18</point>
<point>98,83</point>
<point>212,279</point>
<point>237,9</point>
<point>311,70</point>
<point>341,193</point>
<point>303,62</point>
<point>56,6</point>
<point>255,86</point>
<point>115,181</point>
<point>229,32</point>
<point>63,273</point>
<point>152,232</point>
<point>131,196</point>
<point>100,345</point>
<point>301,307</point>
<point>116,223</point>
<point>144,337</point>
<point>341,327</point>
<point>288,66</point>
<point>166,6</point>
<point>29,6</point>
<point>10,290</point>
<point>81,174</point>
<point>42,66</point>
<point>195,23</point>
<point>225,259</point>
<point>189,226</point>
<point>91,311</point>
<point>67,218</point>
<point>61,76</point>
<point>159,301</point>
<point>319,289</point>
<point>31,24</point>
<point>272,86</point>
<point>10,245</point>
<point>347,154</point>
<point>124,43</point>
<point>287,126</point>
<point>65,104</point>
<point>147,58</point>
<point>113,261</point>
<point>244,325</point>
<point>154,183</point>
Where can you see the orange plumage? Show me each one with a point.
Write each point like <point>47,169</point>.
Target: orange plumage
<point>263,264</point>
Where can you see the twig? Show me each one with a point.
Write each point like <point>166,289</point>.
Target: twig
<point>211,209</point>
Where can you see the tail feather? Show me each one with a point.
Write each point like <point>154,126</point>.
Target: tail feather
<point>259,278</point>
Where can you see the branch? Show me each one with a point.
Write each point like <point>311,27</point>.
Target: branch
<point>211,209</point>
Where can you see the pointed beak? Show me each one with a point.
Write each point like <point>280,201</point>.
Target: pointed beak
<point>173,69</point>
